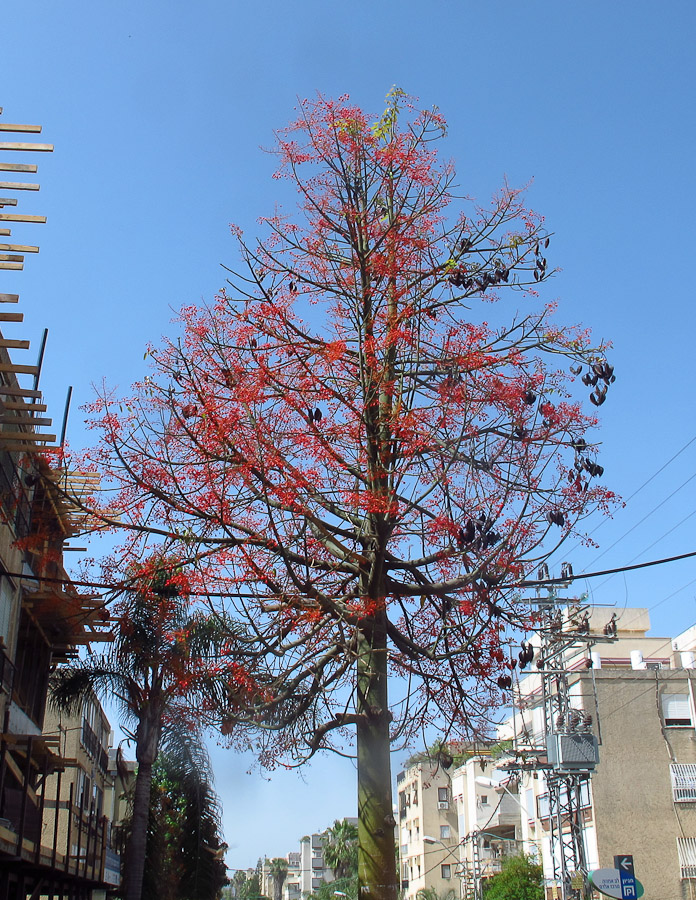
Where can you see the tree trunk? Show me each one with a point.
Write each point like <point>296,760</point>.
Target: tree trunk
<point>137,842</point>
<point>147,744</point>
<point>377,878</point>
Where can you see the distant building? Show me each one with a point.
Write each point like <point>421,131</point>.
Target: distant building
<point>428,830</point>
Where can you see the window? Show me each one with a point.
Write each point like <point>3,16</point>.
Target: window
<point>444,832</point>
<point>676,710</point>
<point>484,799</point>
<point>442,794</point>
<point>683,781</point>
<point>687,856</point>
<point>446,870</point>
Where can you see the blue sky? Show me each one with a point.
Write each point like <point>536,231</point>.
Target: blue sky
<point>159,112</point>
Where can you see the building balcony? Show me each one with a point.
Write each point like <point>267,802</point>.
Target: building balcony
<point>504,814</point>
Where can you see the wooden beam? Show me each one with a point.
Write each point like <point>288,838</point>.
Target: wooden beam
<point>19,775</point>
<point>19,217</point>
<point>11,317</point>
<point>13,447</point>
<point>19,186</point>
<point>92,637</point>
<point>11,344</point>
<point>20,145</point>
<point>21,370</point>
<point>8,201</point>
<point>20,129</point>
<point>5,232</point>
<point>9,298</point>
<point>22,248</point>
<point>29,407</point>
<point>22,420</point>
<point>11,390</point>
<point>11,257</point>
<point>18,167</point>
<point>12,265</point>
<point>25,436</point>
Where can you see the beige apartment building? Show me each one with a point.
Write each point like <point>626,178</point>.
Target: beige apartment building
<point>428,832</point>
<point>641,799</point>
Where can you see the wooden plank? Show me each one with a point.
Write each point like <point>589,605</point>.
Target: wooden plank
<point>12,344</point>
<point>39,407</point>
<point>92,637</point>
<point>20,145</point>
<point>24,420</point>
<point>18,167</point>
<point>19,217</point>
<point>20,370</point>
<point>5,232</point>
<point>18,186</point>
<point>16,391</point>
<point>19,775</point>
<point>25,436</point>
<point>12,265</point>
<point>22,248</point>
<point>20,129</point>
<point>11,317</point>
<point>9,298</point>
<point>11,257</point>
<point>13,447</point>
<point>8,201</point>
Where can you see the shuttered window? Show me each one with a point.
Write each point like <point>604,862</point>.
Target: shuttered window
<point>687,856</point>
<point>683,781</point>
<point>676,710</point>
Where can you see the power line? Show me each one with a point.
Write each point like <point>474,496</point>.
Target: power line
<point>644,565</point>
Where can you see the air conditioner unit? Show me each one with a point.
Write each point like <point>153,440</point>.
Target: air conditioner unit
<point>443,804</point>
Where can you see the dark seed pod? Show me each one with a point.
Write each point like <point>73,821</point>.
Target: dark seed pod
<point>529,397</point>
<point>575,370</point>
<point>317,415</point>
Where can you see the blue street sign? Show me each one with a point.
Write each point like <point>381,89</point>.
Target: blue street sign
<point>624,863</point>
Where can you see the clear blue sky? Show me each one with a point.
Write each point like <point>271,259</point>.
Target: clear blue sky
<point>158,111</point>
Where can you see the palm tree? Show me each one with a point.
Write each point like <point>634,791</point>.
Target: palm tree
<point>278,870</point>
<point>185,853</point>
<point>158,669</point>
<point>341,848</point>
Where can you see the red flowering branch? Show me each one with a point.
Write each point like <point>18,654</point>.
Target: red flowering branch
<point>365,441</point>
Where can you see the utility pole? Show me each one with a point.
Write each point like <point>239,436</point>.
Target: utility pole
<point>569,750</point>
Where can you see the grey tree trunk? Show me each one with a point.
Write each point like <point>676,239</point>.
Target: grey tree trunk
<point>377,877</point>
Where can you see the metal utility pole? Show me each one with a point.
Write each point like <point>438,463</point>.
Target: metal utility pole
<point>569,752</point>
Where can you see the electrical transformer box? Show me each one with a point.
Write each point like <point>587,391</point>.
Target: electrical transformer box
<point>577,752</point>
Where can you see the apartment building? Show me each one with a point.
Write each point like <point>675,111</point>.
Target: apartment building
<point>43,617</point>
<point>88,781</point>
<point>428,829</point>
<point>639,693</point>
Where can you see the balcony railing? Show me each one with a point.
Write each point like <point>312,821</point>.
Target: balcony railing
<point>42,827</point>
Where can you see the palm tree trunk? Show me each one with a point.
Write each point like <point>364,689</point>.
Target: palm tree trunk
<point>146,747</point>
<point>137,843</point>
<point>376,857</point>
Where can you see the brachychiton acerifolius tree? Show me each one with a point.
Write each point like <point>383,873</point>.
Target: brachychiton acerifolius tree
<point>364,444</point>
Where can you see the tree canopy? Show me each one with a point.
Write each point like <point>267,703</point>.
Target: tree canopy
<point>521,878</point>
<point>361,447</point>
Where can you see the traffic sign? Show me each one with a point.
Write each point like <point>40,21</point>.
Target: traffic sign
<point>624,863</point>
<point>611,882</point>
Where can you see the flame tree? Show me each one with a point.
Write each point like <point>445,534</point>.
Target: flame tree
<point>357,462</point>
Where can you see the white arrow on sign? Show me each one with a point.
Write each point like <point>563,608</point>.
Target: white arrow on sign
<point>625,863</point>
